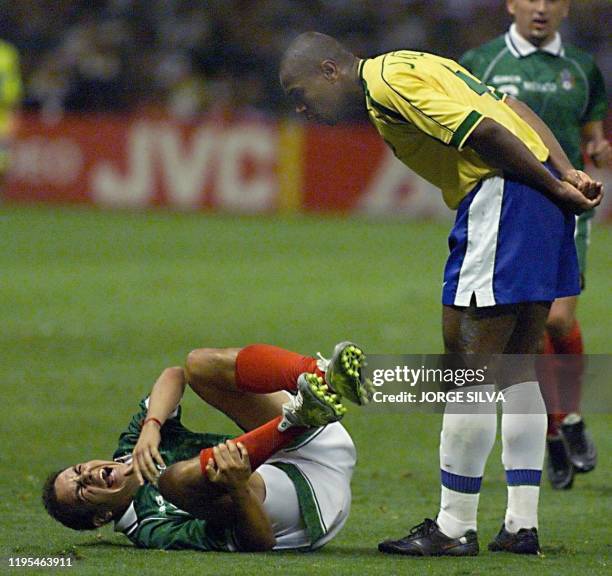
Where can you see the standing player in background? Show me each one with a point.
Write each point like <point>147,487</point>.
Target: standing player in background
<point>563,85</point>
<point>10,97</point>
<point>513,187</point>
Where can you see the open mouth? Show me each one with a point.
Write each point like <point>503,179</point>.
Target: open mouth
<point>108,476</point>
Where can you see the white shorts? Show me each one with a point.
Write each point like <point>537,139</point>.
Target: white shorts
<point>308,488</point>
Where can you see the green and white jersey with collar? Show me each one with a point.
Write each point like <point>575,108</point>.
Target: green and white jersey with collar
<point>153,522</point>
<point>559,82</point>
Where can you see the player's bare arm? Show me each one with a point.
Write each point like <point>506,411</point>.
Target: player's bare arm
<point>558,158</point>
<point>501,149</point>
<point>165,397</point>
<point>596,145</point>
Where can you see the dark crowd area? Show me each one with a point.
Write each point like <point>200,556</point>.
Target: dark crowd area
<point>188,57</point>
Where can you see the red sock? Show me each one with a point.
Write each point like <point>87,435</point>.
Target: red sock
<point>569,368</point>
<point>262,368</point>
<point>547,375</point>
<point>561,376</point>
<point>554,424</point>
<point>549,347</point>
<point>260,443</point>
<point>571,343</point>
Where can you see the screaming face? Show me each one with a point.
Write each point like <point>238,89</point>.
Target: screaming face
<point>104,487</point>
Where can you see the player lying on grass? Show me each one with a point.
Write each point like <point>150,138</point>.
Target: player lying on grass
<point>209,497</point>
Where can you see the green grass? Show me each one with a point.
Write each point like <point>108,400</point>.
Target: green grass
<point>93,305</point>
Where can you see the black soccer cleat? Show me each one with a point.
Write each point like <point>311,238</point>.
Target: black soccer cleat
<point>580,446</point>
<point>559,468</point>
<point>525,541</point>
<point>426,539</point>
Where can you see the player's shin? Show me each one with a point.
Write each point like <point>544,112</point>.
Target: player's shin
<point>186,483</point>
<point>183,485</point>
<point>523,439</point>
<point>570,368</point>
<point>260,443</point>
<point>468,434</point>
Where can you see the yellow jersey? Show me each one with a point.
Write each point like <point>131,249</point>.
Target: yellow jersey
<point>425,107</point>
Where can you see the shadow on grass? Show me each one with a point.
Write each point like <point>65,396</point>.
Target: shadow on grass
<point>335,551</point>
<point>342,553</point>
<point>326,552</point>
<point>102,543</point>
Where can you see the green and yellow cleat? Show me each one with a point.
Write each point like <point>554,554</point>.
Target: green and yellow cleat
<point>343,373</point>
<point>313,405</point>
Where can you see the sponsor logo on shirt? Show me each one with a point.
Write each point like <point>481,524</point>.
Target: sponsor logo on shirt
<point>509,89</point>
<point>545,87</point>
<point>567,79</point>
<point>505,78</point>
<point>161,503</point>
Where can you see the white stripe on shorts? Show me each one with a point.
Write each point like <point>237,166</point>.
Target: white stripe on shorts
<point>476,275</point>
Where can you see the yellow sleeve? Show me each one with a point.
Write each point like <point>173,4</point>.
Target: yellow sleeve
<point>430,110</point>
<point>10,77</point>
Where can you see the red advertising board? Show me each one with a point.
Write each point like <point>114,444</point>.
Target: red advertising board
<point>139,162</point>
<point>241,166</point>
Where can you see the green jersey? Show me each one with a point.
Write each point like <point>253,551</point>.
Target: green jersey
<point>153,522</point>
<point>559,82</point>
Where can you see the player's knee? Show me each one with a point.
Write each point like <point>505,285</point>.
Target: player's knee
<point>559,323</point>
<point>169,485</point>
<point>174,372</point>
<point>167,481</point>
<point>451,343</point>
<point>202,363</point>
<point>175,480</point>
<point>211,366</point>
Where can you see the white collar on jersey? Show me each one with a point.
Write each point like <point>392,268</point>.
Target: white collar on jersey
<point>520,47</point>
<point>127,521</point>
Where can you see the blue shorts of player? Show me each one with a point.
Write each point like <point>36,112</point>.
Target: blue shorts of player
<point>510,244</point>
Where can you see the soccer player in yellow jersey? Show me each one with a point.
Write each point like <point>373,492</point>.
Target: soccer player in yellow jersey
<point>511,252</point>
<point>10,96</point>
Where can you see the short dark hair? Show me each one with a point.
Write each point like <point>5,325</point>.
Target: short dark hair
<point>70,516</point>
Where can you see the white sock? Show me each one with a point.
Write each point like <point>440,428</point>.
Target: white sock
<point>522,511</point>
<point>468,434</point>
<point>457,512</point>
<point>524,425</point>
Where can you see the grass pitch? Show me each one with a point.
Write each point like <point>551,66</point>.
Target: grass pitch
<point>93,305</point>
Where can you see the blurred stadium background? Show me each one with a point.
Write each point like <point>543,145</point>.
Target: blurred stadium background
<point>173,102</point>
<point>161,196</point>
